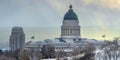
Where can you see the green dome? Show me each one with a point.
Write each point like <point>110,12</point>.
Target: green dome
<point>70,15</point>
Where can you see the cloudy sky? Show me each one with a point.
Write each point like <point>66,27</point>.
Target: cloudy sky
<point>96,17</point>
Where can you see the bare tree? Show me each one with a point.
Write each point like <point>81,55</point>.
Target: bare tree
<point>48,51</point>
<point>88,50</point>
<point>111,50</point>
<point>76,51</point>
<point>24,55</point>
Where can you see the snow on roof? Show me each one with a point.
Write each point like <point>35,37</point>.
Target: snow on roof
<point>58,42</point>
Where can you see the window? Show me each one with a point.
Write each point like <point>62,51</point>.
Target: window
<point>74,39</point>
<point>79,39</point>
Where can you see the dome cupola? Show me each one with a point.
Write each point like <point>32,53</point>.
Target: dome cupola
<point>70,15</point>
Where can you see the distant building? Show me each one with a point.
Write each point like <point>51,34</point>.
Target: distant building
<point>17,38</point>
<point>70,36</point>
<point>70,30</point>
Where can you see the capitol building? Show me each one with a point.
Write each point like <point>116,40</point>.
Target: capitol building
<point>70,36</point>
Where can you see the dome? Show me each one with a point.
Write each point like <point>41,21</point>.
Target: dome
<point>70,15</point>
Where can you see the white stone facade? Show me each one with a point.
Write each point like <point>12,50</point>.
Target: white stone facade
<point>70,29</point>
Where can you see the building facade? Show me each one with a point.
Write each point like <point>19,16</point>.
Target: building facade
<point>17,38</point>
<point>70,36</point>
<point>70,29</point>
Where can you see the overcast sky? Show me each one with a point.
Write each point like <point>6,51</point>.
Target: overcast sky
<point>96,17</point>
